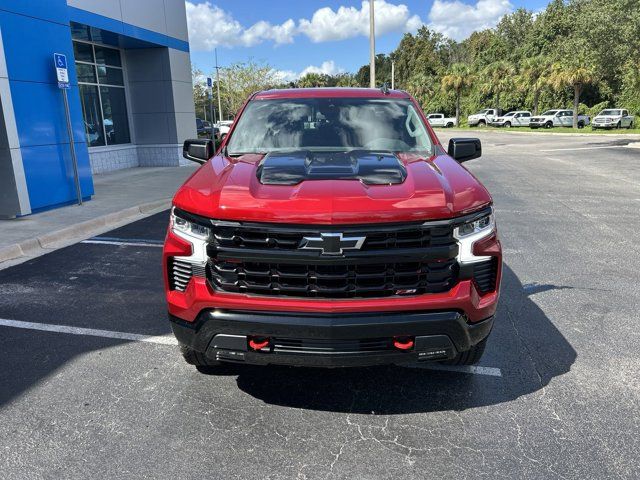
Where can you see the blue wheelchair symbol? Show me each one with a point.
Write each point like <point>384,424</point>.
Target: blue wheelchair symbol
<point>60,60</point>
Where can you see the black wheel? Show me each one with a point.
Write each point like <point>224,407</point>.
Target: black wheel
<point>199,360</point>
<point>507,125</point>
<point>482,123</point>
<point>470,357</point>
<point>548,125</point>
<point>630,126</point>
<point>580,124</point>
<point>619,126</point>
<point>449,125</point>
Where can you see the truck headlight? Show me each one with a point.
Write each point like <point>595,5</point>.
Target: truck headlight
<point>181,225</point>
<point>469,233</point>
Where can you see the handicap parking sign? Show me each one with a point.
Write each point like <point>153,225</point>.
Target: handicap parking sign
<point>62,73</point>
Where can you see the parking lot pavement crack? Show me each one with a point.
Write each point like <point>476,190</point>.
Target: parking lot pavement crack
<point>511,316</point>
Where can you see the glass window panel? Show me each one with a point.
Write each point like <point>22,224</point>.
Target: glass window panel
<point>91,115</point>
<point>80,32</point>
<point>114,108</point>
<point>110,76</point>
<point>86,73</point>
<point>83,52</point>
<point>108,56</point>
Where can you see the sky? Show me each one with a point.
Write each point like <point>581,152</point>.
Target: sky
<point>329,36</point>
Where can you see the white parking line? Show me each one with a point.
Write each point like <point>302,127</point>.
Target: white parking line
<point>47,327</point>
<point>582,148</point>
<point>474,369</point>
<point>118,242</point>
<point>170,340</point>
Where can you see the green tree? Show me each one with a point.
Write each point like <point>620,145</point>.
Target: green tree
<point>574,74</point>
<point>498,78</point>
<point>313,79</point>
<point>534,76</point>
<point>239,80</point>
<point>456,81</point>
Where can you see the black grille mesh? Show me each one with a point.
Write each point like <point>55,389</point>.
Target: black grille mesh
<point>334,281</point>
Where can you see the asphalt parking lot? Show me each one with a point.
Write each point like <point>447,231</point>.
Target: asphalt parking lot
<point>92,385</point>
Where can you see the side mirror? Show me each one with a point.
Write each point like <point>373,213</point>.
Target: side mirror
<point>463,149</point>
<point>198,150</point>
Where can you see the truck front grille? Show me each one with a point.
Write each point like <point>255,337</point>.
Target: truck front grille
<point>333,280</point>
<point>289,238</point>
<point>267,259</point>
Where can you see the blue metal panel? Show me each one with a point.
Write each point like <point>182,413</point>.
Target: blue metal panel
<point>51,10</point>
<point>29,45</point>
<point>50,176</point>
<point>130,32</point>
<point>41,119</point>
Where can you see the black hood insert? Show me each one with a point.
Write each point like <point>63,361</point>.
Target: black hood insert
<point>291,168</point>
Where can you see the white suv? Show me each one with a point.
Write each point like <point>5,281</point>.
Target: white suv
<point>483,117</point>
<point>558,118</point>
<point>519,118</point>
<point>613,118</point>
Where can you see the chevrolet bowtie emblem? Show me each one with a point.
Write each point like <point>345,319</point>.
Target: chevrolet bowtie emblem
<point>332,243</point>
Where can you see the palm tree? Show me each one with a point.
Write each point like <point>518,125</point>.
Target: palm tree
<point>534,76</point>
<point>456,81</point>
<point>498,78</point>
<point>576,75</point>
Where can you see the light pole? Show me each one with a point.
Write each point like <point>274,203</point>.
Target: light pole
<point>372,45</point>
<point>393,74</point>
<point>218,85</point>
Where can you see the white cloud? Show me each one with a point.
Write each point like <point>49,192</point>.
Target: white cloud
<point>347,22</point>
<point>210,27</point>
<point>458,20</point>
<point>328,67</point>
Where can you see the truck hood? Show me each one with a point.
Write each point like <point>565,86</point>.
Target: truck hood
<point>434,188</point>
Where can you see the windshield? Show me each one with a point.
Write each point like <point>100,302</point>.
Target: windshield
<point>482,112</point>
<point>510,114</point>
<point>549,112</point>
<point>610,112</point>
<point>329,124</point>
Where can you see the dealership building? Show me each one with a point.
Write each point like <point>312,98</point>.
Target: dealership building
<point>130,95</point>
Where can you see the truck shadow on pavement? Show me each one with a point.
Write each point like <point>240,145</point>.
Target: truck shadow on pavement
<point>524,344</point>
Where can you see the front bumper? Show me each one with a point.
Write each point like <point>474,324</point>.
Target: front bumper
<point>330,340</point>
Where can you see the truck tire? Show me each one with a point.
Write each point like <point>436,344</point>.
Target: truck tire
<point>199,360</point>
<point>619,126</point>
<point>482,123</point>
<point>630,126</point>
<point>450,125</point>
<point>469,357</point>
<point>548,125</point>
<point>581,124</point>
<point>507,125</point>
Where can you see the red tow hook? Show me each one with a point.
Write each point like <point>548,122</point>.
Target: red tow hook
<point>403,343</point>
<point>258,343</point>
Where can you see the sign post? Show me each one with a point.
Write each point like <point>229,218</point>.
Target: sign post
<point>62,74</point>
<point>213,119</point>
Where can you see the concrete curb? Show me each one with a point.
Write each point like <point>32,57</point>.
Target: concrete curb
<point>631,136</point>
<point>34,247</point>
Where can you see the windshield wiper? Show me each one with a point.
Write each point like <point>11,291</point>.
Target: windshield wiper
<point>239,154</point>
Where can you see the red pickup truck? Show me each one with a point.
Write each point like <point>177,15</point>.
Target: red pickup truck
<point>331,228</point>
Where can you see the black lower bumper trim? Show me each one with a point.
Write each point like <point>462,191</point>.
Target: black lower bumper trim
<point>221,334</point>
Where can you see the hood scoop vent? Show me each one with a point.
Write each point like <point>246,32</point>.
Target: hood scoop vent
<point>291,168</point>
